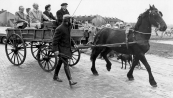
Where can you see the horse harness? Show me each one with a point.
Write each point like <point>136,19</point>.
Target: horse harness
<point>124,43</point>
<point>134,34</point>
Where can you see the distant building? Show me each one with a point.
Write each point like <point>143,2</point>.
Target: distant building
<point>108,20</point>
<point>6,18</point>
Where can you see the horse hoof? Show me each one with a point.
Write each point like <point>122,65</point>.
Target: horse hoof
<point>108,69</point>
<point>131,79</point>
<point>154,85</point>
<point>95,74</point>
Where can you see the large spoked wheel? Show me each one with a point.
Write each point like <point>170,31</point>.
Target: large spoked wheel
<point>34,48</point>
<point>75,57</point>
<point>47,59</point>
<point>15,49</point>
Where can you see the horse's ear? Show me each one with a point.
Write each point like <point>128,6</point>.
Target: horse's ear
<point>153,6</point>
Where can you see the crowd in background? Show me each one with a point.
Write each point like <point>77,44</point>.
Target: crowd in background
<point>90,30</point>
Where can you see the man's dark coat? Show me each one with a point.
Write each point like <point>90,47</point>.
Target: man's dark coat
<point>59,15</point>
<point>62,40</point>
<point>49,15</point>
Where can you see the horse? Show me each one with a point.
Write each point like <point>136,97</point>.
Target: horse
<point>140,37</point>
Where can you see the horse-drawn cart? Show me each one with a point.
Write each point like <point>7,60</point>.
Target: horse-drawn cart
<point>40,42</point>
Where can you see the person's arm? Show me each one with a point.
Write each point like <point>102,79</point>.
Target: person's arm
<point>18,18</point>
<point>44,16</point>
<point>31,17</point>
<point>68,12</point>
<point>59,16</point>
<point>52,16</point>
<point>56,39</point>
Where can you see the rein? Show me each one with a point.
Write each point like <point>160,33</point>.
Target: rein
<point>140,32</point>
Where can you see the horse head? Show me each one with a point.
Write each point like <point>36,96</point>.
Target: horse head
<point>155,18</point>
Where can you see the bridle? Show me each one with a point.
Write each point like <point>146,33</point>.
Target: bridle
<point>150,12</point>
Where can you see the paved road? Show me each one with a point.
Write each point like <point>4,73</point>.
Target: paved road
<point>30,81</point>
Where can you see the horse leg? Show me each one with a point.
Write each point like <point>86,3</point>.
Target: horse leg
<point>129,63</point>
<point>122,64</point>
<point>130,73</point>
<point>104,54</point>
<point>94,54</point>
<point>125,64</point>
<point>147,66</point>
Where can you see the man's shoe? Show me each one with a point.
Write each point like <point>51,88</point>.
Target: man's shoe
<point>57,79</point>
<point>72,83</point>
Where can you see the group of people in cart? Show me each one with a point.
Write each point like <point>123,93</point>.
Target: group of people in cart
<point>35,17</point>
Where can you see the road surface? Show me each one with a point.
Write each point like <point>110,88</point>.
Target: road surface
<point>30,81</point>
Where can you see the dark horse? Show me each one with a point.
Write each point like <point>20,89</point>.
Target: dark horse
<point>140,34</point>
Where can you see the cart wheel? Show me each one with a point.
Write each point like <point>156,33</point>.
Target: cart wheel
<point>47,59</point>
<point>34,48</point>
<point>15,49</point>
<point>75,57</point>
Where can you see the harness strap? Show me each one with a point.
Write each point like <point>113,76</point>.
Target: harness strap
<point>127,33</point>
<point>139,32</point>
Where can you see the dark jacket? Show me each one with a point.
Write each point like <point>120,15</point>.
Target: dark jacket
<point>59,15</point>
<point>62,40</point>
<point>49,15</point>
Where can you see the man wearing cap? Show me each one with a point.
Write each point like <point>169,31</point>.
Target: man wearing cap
<point>62,44</point>
<point>61,12</point>
<point>48,13</point>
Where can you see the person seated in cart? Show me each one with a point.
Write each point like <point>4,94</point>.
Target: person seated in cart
<point>52,22</point>
<point>61,12</point>
<point>20,18</point>
<point>27,16</point>
<point>48,13</point>
<point>36,17</point>
<point>62,44</point>
<point>92,33</point>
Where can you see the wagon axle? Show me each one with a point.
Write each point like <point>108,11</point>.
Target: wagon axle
<point>46,58</point>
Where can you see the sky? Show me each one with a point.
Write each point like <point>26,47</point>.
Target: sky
<point>126,10</point>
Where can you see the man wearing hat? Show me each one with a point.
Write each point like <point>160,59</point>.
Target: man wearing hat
<point>62,44</point>
<point>61,12</point>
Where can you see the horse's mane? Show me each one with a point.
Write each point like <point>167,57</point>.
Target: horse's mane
<point>138,23</point>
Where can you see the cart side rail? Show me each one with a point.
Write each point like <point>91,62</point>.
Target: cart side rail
<point>41,34</point>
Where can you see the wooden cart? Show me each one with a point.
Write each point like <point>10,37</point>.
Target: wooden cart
<point>39,40</point>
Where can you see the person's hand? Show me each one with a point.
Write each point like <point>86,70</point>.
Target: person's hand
<point>52,20</point>
<point>49,19</point>
<point>56,52</point>
<point>26,22</point>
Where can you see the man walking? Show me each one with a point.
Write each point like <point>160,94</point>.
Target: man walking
<point>62,44</point>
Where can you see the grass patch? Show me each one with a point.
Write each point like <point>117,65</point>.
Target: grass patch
<point>163,50</point>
